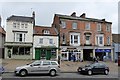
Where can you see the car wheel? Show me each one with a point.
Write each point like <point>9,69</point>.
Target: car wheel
<point>23,73</point>
<point>106,72</point>
<point>89,72</point>
<point>52,72</point>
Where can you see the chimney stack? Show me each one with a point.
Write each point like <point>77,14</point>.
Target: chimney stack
<point>73,14</point>
<point>83,15</point>
<point>103,19</point>
<point>33,15</point>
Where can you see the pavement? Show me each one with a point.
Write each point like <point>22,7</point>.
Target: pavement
<point>66,66</point>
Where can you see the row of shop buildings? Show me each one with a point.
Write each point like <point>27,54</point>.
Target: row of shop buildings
<point>70,37</point>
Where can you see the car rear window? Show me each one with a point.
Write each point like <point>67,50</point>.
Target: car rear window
<point>53,63</point>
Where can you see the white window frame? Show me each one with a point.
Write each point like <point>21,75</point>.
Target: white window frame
<point>41,41</point>
<point>14,25</point>
<point>63,24</point>
<point>98,40</point>
<point>108,27</point>
<point>99,27</point>
<point>87,26</point>
<point>74,25</point>
<point>17,37</point>
<point>108,40</point>
<point>88,40</point>
<point>72,42</point>
<point>50,41</point>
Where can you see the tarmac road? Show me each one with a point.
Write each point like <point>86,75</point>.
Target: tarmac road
<point>62,75</point>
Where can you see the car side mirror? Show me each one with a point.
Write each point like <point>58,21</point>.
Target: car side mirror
<point>31,65</point>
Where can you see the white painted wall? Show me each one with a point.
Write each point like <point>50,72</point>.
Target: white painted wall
<point>36,43</point>
<point>10,34</point>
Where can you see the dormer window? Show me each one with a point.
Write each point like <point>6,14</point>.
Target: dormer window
<point>46,32</point>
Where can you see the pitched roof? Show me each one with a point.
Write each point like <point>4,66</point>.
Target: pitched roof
<point>80,18</point>
<point>116,38</point>
<point>38,30</point>
<point>20,18</point>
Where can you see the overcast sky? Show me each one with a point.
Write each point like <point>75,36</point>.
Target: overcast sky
<point>44,11</point>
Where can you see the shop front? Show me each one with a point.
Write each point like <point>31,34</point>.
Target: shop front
<point>46,53</point>
<point>18,51</point>
<point>103,54</point>
<point>70,54</point>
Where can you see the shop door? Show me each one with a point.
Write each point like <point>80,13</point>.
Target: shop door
<point>37,54</point>
<point>48,55</point>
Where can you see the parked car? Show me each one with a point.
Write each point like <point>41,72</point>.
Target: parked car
<point>1,69</point>
<point>94,68</point>
<point>39,66</point>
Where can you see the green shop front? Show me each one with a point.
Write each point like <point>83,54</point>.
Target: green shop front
<point>46,52</point>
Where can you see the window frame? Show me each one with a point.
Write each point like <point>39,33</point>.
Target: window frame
<point>99,27</point>
<point>50,41</point>
<point>108,27</point>
<point>74,25</point>
<point>87,26</point>
<point>40,40</point>
<point>63,24</point>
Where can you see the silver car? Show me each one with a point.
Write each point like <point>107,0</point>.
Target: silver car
<point>39,66</point>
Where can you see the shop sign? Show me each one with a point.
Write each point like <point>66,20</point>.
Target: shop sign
<point>102,50</point>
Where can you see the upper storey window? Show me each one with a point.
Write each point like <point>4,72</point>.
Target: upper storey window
<point>63,24</point>
<point>74,25</point>
<point>99,27</point>
<point>87,26</point>
<point>16,25</point>
<point>108,27</point>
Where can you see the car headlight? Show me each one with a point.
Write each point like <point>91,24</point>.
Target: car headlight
<point>83,68</point>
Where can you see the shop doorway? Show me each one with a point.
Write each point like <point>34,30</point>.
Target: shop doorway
<point>87,54</point>
<point>100,55</point>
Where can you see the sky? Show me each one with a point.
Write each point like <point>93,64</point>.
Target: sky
<point>44,10</point>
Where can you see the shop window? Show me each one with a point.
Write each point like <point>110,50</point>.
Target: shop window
<point>21,51</point>
<point>53,53</point>
<point>27,51</point>
<point>15,51</point>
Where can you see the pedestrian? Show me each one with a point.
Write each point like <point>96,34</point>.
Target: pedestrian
<point>95,59</point>
<point>104,57</point>
<point>74,58</point>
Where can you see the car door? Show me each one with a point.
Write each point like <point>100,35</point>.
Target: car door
<point>45,67</point>
<point>96,68</point>
<point>34,67</point>
<point>102,68</point>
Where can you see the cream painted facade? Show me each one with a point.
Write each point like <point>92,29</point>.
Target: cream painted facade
<point>19,40</point>
<point>45,43</point>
